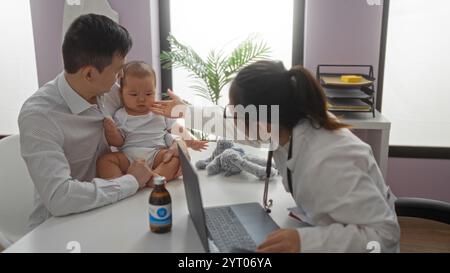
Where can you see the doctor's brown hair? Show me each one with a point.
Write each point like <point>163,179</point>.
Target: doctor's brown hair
<point>296,92</point>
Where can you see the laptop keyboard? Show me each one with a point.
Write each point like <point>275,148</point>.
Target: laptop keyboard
<point>226,230</point>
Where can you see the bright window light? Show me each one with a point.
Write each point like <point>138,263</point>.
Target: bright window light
<point>18,75</point>
<point>217,24</point>
<point>416,92</point>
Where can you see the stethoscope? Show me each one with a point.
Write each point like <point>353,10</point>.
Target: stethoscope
<point>267,203</point>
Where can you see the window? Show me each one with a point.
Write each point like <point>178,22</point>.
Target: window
<point>217,24</point>
<point>416,95</point>
<point>18,75</point>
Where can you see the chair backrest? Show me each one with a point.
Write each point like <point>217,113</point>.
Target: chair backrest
<point>16,192</point>
<point>423,208</point>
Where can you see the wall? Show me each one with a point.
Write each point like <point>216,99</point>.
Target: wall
<point>342,32</point>
<point>349,31</point>
<point>425,178</point>
<point>47,16</point>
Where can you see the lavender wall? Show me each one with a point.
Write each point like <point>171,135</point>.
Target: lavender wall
<point>348,31</point>
<point>135,16</point>
<point>47,16</point>
<point>426,178</point>
<point>342,32</point>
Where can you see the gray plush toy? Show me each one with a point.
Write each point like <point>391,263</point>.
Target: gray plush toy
<point>232,160</point>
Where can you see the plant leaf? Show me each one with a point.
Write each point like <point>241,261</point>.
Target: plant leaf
<point>182,56</point>
<point>247,52</point>
<point>216,71</point>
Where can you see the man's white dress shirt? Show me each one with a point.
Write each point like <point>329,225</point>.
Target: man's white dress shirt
<point>61,137</point>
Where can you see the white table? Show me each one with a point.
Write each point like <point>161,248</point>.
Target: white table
<point>123,227</point>
<point>375,132</point>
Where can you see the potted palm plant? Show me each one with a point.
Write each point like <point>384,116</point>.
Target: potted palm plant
<point>212,74</point>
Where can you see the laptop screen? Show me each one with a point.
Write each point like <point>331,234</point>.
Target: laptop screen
<point>194,198</point>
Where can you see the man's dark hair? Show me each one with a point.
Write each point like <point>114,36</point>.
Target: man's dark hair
<point>93,40</point>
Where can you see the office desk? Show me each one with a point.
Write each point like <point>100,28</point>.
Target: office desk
<point>124,227</point>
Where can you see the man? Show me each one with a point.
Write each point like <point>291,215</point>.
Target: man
<point>61,125</point>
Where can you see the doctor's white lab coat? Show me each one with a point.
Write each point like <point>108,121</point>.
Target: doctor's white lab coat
<point>338,185</point>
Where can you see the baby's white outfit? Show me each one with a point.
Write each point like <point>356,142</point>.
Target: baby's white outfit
<point>144,135</point>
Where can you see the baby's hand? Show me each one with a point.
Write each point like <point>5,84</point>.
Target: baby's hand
<point>109,125</point>
<point>197,145</point>
<point>112,133</point>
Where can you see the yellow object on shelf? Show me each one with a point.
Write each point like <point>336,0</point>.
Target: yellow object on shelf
<point>337,81</point>
<point>351,78</point>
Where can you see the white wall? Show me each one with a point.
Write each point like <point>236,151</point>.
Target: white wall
<point>18,76</point>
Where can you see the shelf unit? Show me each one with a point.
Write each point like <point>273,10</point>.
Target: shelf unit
<point>348,97</point>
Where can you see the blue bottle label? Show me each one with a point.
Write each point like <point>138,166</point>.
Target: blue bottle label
<point>160,215</point>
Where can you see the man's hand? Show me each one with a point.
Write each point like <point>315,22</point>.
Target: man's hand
<point>173,151</point>
<point>141,172</point>
<point>197,145</point>
<point>282,240</point>
<point>166,107</point>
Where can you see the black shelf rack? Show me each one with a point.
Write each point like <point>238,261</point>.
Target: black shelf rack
<point>363,92</point>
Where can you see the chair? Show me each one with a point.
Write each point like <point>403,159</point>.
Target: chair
<point>16,192</point>
<point>425,225</point>
<point>423,208</point>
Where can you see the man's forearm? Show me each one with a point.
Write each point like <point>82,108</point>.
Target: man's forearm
<point>74,196</point>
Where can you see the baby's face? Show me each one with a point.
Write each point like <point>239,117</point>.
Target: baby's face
<point>138,94</point>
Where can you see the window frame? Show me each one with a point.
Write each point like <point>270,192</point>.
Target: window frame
<point>164,30</point>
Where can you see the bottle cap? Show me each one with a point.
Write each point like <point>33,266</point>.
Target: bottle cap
<point>159,180</point>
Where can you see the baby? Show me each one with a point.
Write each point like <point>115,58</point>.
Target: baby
<point>137,132</point>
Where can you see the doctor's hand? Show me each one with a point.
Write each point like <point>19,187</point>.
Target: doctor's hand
<point>173,108</point>
<point>282,240</point>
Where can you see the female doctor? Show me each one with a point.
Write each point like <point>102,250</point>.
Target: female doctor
<point>331,174</point>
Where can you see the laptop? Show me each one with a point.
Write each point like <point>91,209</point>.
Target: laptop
<point>233,228</point>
